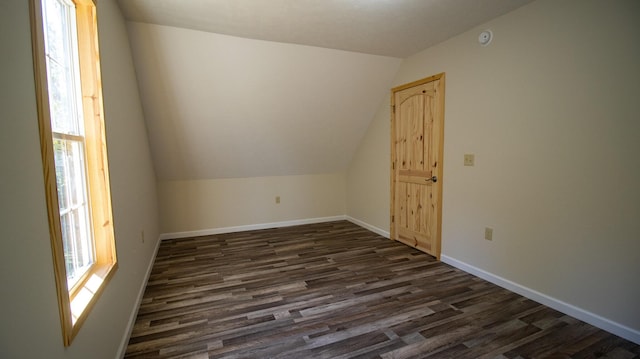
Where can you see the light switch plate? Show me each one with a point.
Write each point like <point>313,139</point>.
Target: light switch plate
<point>469,159</point>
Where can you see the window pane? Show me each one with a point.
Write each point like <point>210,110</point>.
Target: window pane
<point>74,208</point>
<point>60,155</point>
<point>60,99</point>
<point>74,174</point>
<point>78,253</point>
<point>70,173</point>
<point>61,53</point>
<point>67,234</point>
<point>55,14</point>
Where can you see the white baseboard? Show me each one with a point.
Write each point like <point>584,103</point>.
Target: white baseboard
<point>249,227</point>
<point>579,313</point>
<point>366,225</point>
<point>134,313</point>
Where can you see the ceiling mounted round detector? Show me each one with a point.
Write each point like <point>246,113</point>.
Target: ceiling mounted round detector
<point>485,37</point>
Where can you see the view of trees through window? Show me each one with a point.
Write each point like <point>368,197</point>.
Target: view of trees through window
<point>65,101</point>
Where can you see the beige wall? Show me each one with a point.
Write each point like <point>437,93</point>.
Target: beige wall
<point>187,206</point>
<point>220,106</point>
<point>368,177</point>
<point>550,110</point>
<point>235,122</point>
<point>30,326</point>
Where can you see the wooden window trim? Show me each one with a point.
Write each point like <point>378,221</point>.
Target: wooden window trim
<point>75,304</point>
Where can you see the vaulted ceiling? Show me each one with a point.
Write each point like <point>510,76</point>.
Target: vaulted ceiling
<point>246,88</point>
<point>219,106</point>
<point>397,28</point>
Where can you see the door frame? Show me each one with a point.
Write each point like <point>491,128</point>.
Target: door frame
<point>393,233</point>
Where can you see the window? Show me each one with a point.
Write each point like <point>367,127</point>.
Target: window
<point>74,156</point>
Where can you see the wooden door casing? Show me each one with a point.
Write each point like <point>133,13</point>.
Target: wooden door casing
<point>417,134</point>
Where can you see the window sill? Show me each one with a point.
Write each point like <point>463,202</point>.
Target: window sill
<point>89,291</point>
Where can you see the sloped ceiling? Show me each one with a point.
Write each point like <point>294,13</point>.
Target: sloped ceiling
<point>281,96</point>
<point>219,106</point>
<point>397,28</point>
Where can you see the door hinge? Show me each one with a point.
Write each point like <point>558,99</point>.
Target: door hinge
<point>393,219</point>
<point>393,108</point>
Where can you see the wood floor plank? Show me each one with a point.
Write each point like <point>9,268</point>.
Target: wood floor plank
<point>336,290</point>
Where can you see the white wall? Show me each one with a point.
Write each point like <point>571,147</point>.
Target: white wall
<point>187,206</point>
<point>235,122</point>
<point>219,106</point>
<point>550,109</point>
<point>368,176</point>
<point>30,326</point>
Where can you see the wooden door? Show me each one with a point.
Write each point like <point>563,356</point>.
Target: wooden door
<point>417,134</point>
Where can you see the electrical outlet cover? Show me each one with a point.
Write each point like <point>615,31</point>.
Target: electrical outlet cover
<point>469,159</point>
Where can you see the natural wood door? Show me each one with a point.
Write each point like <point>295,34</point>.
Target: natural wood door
<point>417,133</point>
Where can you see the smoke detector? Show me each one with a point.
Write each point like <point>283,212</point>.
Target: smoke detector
<point>485,37</point>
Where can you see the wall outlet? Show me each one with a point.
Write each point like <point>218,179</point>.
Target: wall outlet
<point>277,199</point>
<point>469,159</point>
<point>488,233</point>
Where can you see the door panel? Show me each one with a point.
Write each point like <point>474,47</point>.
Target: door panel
<point>416,156</point>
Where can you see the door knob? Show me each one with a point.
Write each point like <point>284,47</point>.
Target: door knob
<point>434,179</point>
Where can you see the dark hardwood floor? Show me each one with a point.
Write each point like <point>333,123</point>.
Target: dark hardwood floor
<point>336,290</point>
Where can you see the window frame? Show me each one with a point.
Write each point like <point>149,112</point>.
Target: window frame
<point>75,303</point>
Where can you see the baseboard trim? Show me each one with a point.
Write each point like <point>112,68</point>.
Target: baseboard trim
<point>366,225</point>
<point>249,227</point>
<point>134,313</point>
<point>579,313</point>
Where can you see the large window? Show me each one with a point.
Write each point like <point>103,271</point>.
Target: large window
<point>73,144</point>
